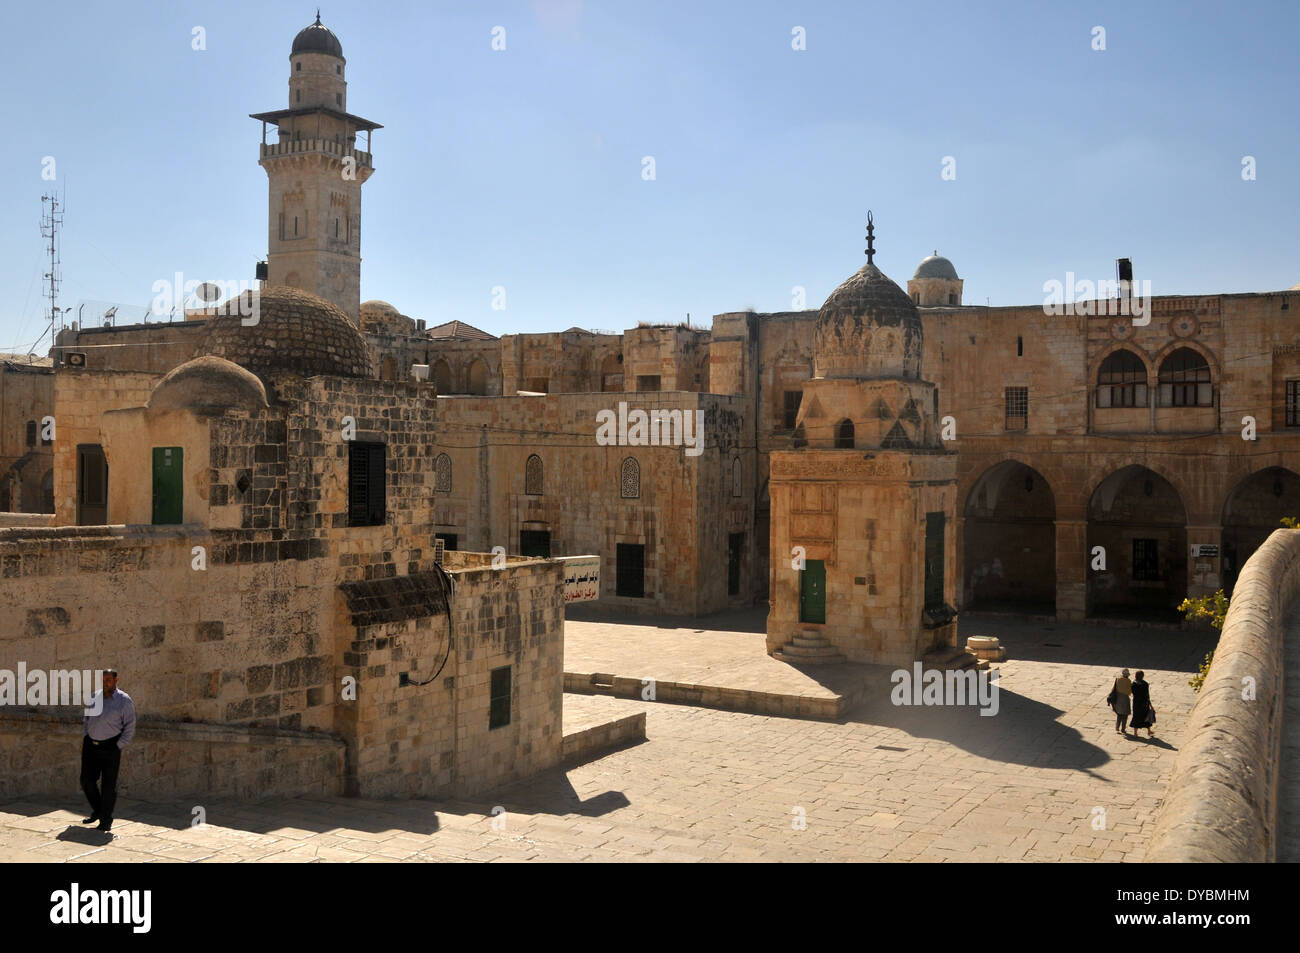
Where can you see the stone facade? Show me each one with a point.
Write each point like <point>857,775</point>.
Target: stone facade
<point>26,457</point>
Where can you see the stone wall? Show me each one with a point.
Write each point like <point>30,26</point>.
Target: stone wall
<point>40,753</point>
<point>1221,805</point>
<point>582,502</point>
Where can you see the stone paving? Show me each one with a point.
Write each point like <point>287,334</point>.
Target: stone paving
<point>887,783</point>
<point>727,650</point>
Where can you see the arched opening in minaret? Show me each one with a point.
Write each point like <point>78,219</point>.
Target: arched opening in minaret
<point>844,435</point>
<point>1009,551</point>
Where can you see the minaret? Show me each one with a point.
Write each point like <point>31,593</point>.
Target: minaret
<point>316,172</point>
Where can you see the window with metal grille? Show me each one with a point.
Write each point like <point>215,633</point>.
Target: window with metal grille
<point>844,435</point>
<point>1185,380</point>
<point>1293,403</point>
<point>499,698</point>
<point>629,479</point>
<point>1146,560</point>
<point>533,476</point>
<point>442,474</point>
<point>1122,381</point>
<point>367,484</point>
<point>1017,408</point>
<point>792,400</point>
<point>737,477</point>
<point>31,433</point>
<point>449,540</point>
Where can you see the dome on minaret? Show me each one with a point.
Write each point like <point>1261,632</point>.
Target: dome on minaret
<point>317,38</point>
<point>868,327</point>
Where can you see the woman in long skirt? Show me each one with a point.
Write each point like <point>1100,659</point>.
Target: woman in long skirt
<point>1123,688</point>
<point>1142,705</point>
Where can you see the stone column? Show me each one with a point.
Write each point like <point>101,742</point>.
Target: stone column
<point>1071,569</point>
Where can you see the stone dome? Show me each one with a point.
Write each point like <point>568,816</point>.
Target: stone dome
<point>296,333</point>
<point>867,328</point>
<point>317,38</point>
<point>209,386</point>
<point>936,266</point>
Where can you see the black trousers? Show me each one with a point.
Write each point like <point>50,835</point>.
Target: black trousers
<point>100,760</point>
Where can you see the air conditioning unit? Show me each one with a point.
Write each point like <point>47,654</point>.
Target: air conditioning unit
<point>74,359</point>
<point>419,372</point>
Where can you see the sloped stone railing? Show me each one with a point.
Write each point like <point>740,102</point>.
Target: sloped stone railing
<point>1221,805</point>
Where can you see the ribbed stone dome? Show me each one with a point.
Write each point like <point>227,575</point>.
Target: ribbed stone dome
<point>936,266</point>
<point>317,38</point>
<point>296,333</point>
<point>867,328</point>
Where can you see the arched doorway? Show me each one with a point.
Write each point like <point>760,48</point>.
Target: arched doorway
<point>1010,541</point>
<point>476,377</point>
<point>388,369</point>
<point>1254,509</point>
<point>1137,517</point>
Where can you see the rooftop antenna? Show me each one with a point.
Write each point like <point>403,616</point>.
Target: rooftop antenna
<point>51,219</point>
<point>871,237</point>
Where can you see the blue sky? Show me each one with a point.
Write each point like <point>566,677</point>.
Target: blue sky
<point>523,168</point>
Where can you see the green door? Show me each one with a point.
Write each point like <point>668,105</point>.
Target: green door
<point>168,497</point>
<point>812,592</point>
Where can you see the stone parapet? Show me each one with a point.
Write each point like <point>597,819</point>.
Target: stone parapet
<point>1221,805</point>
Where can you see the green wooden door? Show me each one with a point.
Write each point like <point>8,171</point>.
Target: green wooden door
<point>812,592</point>
<point>168,495</point>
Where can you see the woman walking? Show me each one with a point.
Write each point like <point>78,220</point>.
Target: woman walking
<point>1144,716</point>
<point>1120,693</point>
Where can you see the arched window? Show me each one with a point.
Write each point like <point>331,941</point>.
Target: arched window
<point>442,474</point>
<point>1122,381</point>
<point>533,476</point>
<point>1185,380</point>
<point>629,479</point>
<point>736,478</point>
<point>844,435</point>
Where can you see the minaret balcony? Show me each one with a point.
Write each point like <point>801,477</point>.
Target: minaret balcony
<point>321,146</point>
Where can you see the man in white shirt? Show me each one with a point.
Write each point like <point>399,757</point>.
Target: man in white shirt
<point>103,737</point>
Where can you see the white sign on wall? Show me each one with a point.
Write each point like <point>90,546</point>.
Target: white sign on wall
<point>581,578</point>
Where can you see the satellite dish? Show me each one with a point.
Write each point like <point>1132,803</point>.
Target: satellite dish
<point>208,292</point>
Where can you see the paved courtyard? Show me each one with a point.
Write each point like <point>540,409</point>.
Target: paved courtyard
<point>887,783</point>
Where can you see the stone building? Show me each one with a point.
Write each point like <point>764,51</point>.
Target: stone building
<point>864,505</point>
<point>1085,438</point>
<point>26,449</point>
<point>271,566</point>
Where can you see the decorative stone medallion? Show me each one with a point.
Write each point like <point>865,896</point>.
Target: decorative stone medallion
<point>1184,326</point>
